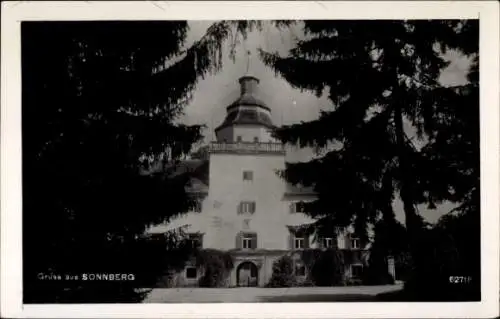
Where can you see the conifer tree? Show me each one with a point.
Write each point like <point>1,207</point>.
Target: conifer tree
<point>100,103</point>
<point>380,76</point>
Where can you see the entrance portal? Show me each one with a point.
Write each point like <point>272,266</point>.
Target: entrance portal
<point>247,274</point>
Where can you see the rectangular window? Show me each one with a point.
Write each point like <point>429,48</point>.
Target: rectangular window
<point>246,208</point>
<point>238,138</point>
<point>247,175</point>
<point>300,270</point>
<point>355,243</point>
<point>195,240</point>
<point>327,242</point>
<point>297,207</point>
<point>356,271</point>
<point>197,207</point>
<point>249,241</point>
<point>191,273</point>
<point>299,243</point>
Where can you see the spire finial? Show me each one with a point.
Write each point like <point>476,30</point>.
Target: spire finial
<point>249,54</point>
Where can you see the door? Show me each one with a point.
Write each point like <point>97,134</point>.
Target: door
<point>247,274</point>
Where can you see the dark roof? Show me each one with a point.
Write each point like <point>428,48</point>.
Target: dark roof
<point>303,228</point>
<point>246,116</point>
<point>248,100</point>
<point>198,167</point>
<point>248,77</point>
<point>193,165</point>
<point>299,190</point>
<point>255,111</point>
<point>197,186</point>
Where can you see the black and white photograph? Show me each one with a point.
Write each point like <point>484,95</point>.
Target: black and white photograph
<point>213,161</point>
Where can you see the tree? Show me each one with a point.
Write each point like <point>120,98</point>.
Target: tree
<point>454,149</point>
<point>380,77</point>
<point>325,267</point>
<point>100,103</point>
<point>454,175</point>
<point>390,239</point>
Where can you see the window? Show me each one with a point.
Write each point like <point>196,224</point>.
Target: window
<point>247,175</point>
<point>299,239</point>
<point>327,242</point>
<point>195,240</point>
<point>297,207</point>
<point>256,139</point>
<point>197,207</point>
<point>356,271</point>
<point>355,243</point>
<point>299,243</point>
<point>300,270</point>
<point>246,243</point>
<point>249,241</point>
<point>238,138</point>
<point>246,208</point>
<point>191,273</point>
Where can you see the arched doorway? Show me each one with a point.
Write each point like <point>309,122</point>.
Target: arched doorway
<point>247,274</point>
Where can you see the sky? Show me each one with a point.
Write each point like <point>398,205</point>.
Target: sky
<point>288,105</point>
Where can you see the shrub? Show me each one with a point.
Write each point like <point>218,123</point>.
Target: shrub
<point>217,266</point>
<point>283,275</point>
<point>323,268</point>
<point>374,275</point>
<point>326,268</point>
<point>377,272</point>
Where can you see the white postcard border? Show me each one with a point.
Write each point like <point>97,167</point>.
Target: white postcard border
<point>11,205</point>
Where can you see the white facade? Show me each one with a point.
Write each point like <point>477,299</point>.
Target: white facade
<point>220,221</point>
<point>248,209</point>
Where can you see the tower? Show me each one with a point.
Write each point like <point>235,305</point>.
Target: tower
<point>243,180</point>
<point>248,118</point>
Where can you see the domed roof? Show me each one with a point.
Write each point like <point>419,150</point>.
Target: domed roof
<point>248,100</point>
<point>246,116</point>
<point>247,108</point>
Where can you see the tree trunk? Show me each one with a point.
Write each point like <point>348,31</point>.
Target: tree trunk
<point>406,191</point>
<point>413,221</point>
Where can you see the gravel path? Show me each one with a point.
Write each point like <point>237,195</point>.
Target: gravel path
<point>236,295</point>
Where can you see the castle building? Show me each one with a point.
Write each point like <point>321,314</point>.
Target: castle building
<point>246,209</point>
